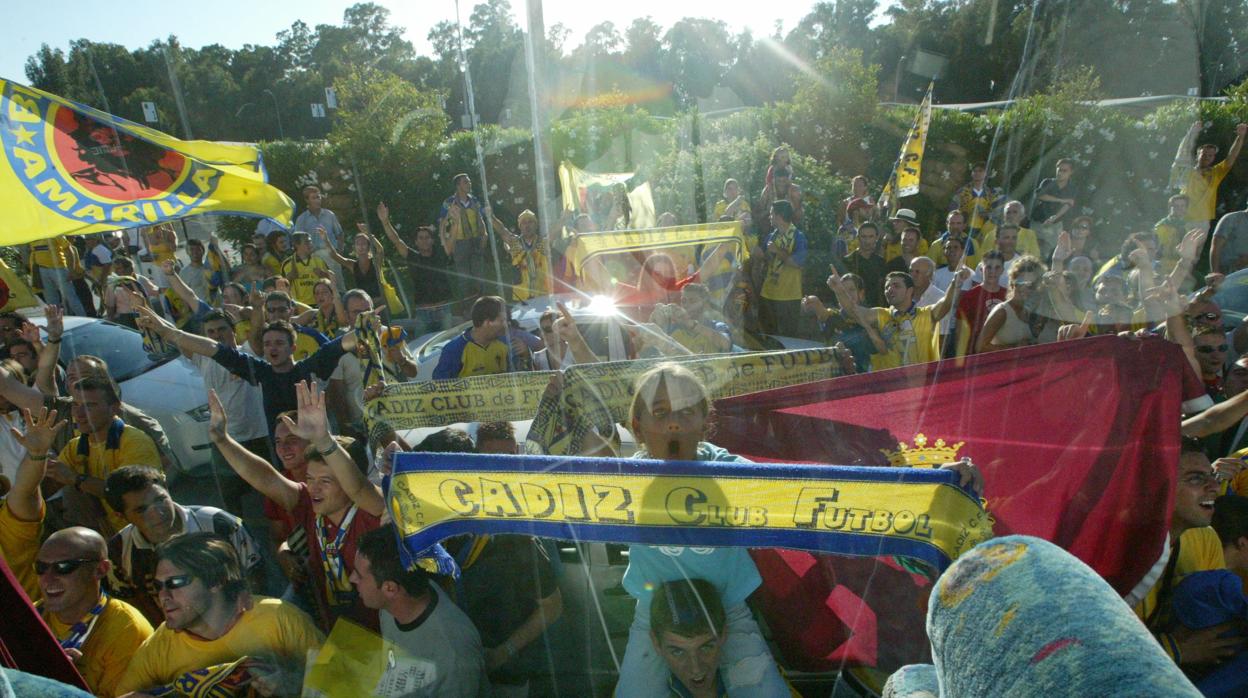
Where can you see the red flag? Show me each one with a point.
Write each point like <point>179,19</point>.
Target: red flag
<point>1078,443</point>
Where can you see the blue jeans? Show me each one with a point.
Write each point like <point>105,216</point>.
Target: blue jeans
<point>57,290</point>
<point>745,664</point>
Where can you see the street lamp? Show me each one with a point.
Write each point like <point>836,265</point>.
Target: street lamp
<point>277,110</point>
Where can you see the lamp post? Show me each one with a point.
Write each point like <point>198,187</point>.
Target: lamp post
<point>277,112</point>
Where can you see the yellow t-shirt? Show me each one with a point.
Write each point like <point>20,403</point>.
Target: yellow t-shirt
<point>269,628</point>
<point>909,337</point>
<point>119,631</point>
<point>784,281</point>
<point>1202,192</point>
<point>1028,243</point>
<point>272,263</point>
<point>19,544</point>
<point>303,277</point>
<point>305,346</point>
<point>892,250</point>
<point>52,253</point>
<point>133,448</point>
<point>1199,550</point>
<point>539,284</point>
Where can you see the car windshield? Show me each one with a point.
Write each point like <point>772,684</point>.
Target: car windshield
<point>120,347</point>
<point>867,286</point>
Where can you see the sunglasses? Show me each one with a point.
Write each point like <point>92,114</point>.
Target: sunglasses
<point>276,309</point>
<point>175,582</point>
<point>61,567</point>
<point>547,330</point>
<point>1210,316</point>
<point>1210,350</point>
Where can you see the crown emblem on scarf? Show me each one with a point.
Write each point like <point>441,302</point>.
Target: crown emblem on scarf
<point>921,455</point>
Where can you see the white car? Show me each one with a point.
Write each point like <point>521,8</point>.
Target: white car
<point>168,389</point>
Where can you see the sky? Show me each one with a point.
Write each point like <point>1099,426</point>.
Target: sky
<point>233,23</point>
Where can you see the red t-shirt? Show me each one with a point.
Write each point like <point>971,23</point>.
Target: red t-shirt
<point>349,605</point>
<point>973,309</point>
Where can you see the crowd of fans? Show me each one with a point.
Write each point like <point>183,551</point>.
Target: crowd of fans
<point>140,589</point>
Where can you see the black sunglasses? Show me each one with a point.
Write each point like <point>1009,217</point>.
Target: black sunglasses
<point>62,567</point>
<point>175,582</point>
<point>1211,316</point>
<point>1210,350</point>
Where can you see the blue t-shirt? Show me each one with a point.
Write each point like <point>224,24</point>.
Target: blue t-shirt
<point>731,570</point>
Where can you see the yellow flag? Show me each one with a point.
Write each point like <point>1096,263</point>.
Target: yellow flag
<point>591,192</point>
<point>905,179</point>
<point>591,245</point>
<point>71,169</point>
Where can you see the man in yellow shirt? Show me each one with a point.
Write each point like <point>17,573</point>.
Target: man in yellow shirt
<point>212,620</point>
<point>303,270</point>
<point>785,254</point>
<point>50,262</point>
<point>104,443</point>
<point>1194,547</point>
<point>22,511</point>
<point>1028,243</point>
<point>1200,179</point>
<point>98,632</point>
<point>530,253</point>
<point>908,330</point>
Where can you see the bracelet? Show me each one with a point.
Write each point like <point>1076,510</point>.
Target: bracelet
<point>511,649</point>
<point>53,341</point>
<point>36,459</point>
<point>328,450</point>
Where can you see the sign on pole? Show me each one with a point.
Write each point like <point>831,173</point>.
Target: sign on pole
<point>149,112</point>
<point>331,98</point>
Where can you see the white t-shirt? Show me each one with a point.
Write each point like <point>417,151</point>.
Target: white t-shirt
<point>351,372</point>
<point>940,279</point>
<point>243,402</point>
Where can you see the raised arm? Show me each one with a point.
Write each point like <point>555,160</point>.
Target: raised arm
<point>950,299</point>
<point>848,303</point>
<point>1189,252</point>
<point>50,351</point>
<point>185,341</point>
<point>565,327</point>
<point>25,500</point>
<point>179,286</point>
<point>313,426</point>
<point>255,470</point>
<point>383,212</point>
<point>333,252</point>
<point>1233,154</point>
<point>1184,156</point>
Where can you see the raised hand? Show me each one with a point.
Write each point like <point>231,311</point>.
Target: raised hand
<point>1190,245</point>
<point>313,424</point>
<point>1066,332</point>
<point>168,268</point>
<point>1064,248</point>
<point>968,475</point>
<point>55,315</point>
<point>41,431</point>
<point>565,324</point>
<point>218,422</point>
<point>383,212</point>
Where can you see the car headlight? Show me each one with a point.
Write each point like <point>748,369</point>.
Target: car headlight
<point>200,414</point>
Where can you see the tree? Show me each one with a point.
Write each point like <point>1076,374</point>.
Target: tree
<point>696,55</point>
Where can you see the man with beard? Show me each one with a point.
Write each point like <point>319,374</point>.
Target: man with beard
<point>142,496</point>
<point>908,330</point>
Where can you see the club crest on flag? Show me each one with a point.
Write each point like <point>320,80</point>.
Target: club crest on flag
<point>91,172</point>
<point>920,455</point>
